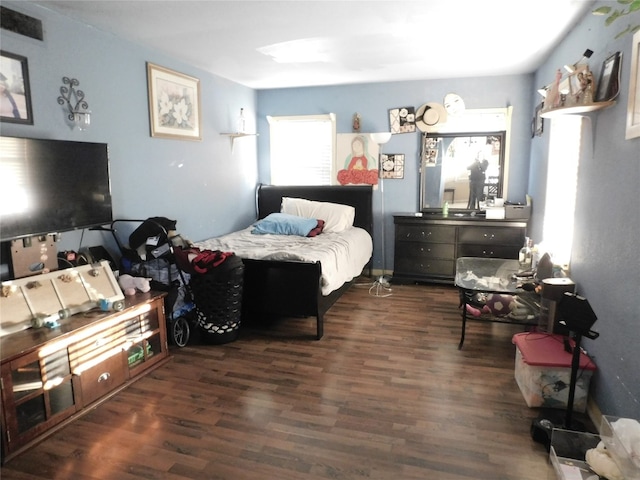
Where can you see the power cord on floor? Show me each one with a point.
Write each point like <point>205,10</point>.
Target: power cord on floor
<point>379,288</point>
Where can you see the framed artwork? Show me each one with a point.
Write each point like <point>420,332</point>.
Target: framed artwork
<point>174,104</point>
<point>356,159</point>
<point>392,165</point>
<point>538,121</point>
<point>15,95</point>
<point>609,82</point>
<point>633,107</point>
<point>402,120</point>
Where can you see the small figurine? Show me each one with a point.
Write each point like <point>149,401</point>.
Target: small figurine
<point>356,122</point>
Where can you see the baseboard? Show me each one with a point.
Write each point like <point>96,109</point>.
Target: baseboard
<point>376,272</point>
<point>594,413</point>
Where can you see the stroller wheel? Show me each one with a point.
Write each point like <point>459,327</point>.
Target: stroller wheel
<point>179,331</point>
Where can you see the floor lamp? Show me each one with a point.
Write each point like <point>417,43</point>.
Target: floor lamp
<point>381,286</point>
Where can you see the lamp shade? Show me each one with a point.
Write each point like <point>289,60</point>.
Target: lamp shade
<point>380,137</point>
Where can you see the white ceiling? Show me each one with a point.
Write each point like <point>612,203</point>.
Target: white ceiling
<point>274,44</point>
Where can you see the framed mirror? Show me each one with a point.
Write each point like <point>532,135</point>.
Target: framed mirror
<point>465,169</point>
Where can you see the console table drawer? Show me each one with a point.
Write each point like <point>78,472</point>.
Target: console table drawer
<point>100,379</point>
<point>491,236</point>
<point>426,233</point>
<point>488,251</point>
<point>423,250</point>
<point>413,267</point>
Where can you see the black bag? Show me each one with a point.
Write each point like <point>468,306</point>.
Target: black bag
<point>155,228</point>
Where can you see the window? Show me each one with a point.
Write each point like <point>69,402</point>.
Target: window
<point>562,179</point>
<point>302,149</point>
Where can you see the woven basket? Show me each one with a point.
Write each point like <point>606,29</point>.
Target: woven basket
<point>218,298</point>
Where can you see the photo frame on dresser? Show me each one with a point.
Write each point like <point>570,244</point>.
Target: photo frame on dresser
<point>633,106</point>
<point>15,101</point>
<point>174,104</point>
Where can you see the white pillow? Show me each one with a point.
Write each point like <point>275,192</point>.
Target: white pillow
<point>337,217</point>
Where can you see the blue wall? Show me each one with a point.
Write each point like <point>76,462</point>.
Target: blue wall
<point>204,185</point>
<point>607,223</point>
<point>373,101</point>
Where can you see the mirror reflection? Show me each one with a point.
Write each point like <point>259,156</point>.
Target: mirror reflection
<point>463,169</point>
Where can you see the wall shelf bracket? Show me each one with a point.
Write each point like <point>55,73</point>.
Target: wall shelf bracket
<point>234,136</point>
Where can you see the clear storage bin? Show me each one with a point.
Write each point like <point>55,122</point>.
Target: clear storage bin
<point>567,454</point>
<point>628,464</point>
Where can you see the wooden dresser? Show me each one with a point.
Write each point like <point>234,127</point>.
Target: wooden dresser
<point>426,247</point>
<point>51,376</point>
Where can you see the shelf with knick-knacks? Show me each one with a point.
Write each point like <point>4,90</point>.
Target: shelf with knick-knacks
<point>575,109</point>
<point>573,94</point>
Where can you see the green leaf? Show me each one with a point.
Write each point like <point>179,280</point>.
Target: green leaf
<point>635,6</point>
<point>601,11</point>
<point>625,2</point>
<point>623,33</point>
<point>612,18</point>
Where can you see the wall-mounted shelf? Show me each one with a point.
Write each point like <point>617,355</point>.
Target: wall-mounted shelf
<point>233,136</point>
<point>576,109</point>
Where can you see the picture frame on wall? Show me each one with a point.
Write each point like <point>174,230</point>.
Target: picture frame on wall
<point>402,120</point>
<point>392,165</point>
<point>174,104</point>
<point>538,121</point>
<point>633,106</point>
<point>15,98</point>
<point>609,81</point>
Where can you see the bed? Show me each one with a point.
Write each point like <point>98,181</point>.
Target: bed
<point>284,283</point>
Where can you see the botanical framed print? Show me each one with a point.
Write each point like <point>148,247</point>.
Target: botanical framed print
<point>174,104</point>
<point>609,82</point>
<point>15,94</point>
<point>633,106</point>
<point>392,165</point>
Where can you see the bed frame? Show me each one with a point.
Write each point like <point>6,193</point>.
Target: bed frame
<point>292,289</point>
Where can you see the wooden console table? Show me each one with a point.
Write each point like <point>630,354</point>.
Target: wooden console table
<point>51,376</point>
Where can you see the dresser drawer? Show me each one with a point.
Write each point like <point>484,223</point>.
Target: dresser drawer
<point>102,378</point>
<point>413,267</point>
<point>417,250</point>
<point>488,251</point>
<point>426,233</point>
<point>491,236</point>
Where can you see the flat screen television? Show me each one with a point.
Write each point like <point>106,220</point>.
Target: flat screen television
<point>50,186</point>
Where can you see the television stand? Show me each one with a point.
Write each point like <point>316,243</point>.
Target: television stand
<point>50,377</point>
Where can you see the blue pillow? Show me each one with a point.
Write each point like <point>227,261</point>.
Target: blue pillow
<point>284,224</point>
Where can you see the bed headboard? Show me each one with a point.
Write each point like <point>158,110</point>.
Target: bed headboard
<point>269,199</point>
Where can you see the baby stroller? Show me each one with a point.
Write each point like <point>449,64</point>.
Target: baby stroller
<point>150,254</point>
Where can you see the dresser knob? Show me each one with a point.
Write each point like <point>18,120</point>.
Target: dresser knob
<point>104,377</point>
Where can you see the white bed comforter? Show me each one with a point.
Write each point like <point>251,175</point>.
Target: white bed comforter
<point>342,255</point>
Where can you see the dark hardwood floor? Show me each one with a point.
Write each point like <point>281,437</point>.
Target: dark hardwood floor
<point>384,395</point>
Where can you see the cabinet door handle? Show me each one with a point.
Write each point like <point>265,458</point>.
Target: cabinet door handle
<point>104,377</point>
